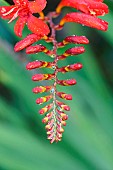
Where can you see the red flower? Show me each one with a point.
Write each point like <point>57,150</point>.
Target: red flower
<point>92,7</point>
<point>24,10</point>
<point>85,19</point>
<point>89,10</point>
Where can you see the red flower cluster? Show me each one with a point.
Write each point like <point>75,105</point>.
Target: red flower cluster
<point>55,116</point>
<point>23,9</point>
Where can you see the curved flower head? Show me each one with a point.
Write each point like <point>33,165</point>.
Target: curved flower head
<point>87,14</point>
<point>23,9</point>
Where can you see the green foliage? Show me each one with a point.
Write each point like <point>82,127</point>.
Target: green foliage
<point>88,139</point>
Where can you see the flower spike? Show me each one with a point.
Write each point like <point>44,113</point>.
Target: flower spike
<point>43,28</point>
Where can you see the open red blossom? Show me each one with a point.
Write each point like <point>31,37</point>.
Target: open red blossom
<point>24,10</point>
<point>92,7</point>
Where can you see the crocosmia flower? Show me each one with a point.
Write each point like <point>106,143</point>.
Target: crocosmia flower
<point>87,14</point>
<point>23,9</point>
<point>92,7</point>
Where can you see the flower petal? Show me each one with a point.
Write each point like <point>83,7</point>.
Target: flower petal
<point>7,12</point>
<point>20,25</point>
<point>37,26</point>
<point>37,6</point>
<point>86,20</point>
<point>89,7</point>
<point>20,2</point>
<point>99,0</point>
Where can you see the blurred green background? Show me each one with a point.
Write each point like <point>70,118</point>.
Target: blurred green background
<point>87,142</point>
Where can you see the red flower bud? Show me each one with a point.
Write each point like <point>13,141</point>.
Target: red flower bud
<point>38,64</point>
<point>49,125</point>
<point>64,95</point>
<point>46,109</point>
<point>74,39</point>
<point>72,67</point>
<point>63,123</point>
<point>75,51</point>
<point>62,105</point>
<point>29,40</point>
<point>61,130</point>
<point>47,117</point>
<point>43,99</point>
<point>45,120</point>
<point>86,20</point>
<point>69,82</point>
<point>35,49</point>
<point>40,77</point>
<point>49,131</point>
<point>64,116</point>
<point>72,51</point>
<point>89,7</point>
<point>38,48</point>
<point>41,89</point>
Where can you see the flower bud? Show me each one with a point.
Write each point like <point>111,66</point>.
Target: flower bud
<point>64,95</point>
<point>74,51</point>
<point>38,64</point>
<point>71,51</point>
<point>61,130</point>
<point>68,82</point>
<point>45,120</point>
<point>41,89</point>
<point>40,77</point>
<point>46,109</point>
<point>72,67</point>
<point>76,40</point>
<point>63,123</point>
<point>43,99</point>
<point>29,40</point>
<point>64,116</point>
<point>49,125</point>
<point>35,49</point>
<point>62,105</point>
<point>86,20</point>
<point>86,6</point>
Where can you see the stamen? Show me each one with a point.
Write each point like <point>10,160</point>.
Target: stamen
<point>14,16</point>
<point>7,13</point>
